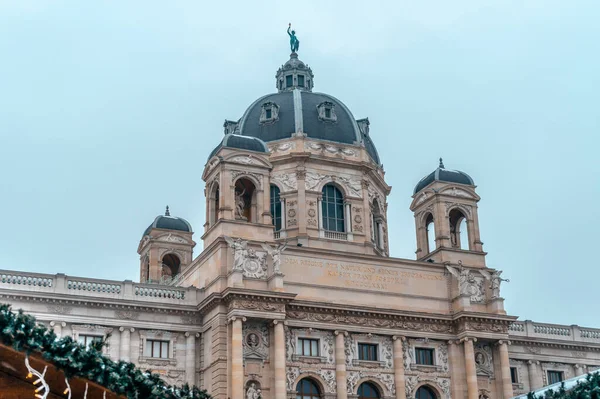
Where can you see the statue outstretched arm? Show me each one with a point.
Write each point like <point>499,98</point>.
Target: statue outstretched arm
<point>288,31</point>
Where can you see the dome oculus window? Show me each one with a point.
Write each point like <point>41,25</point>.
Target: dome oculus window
<point>326,112</point>
<point>269,113</point>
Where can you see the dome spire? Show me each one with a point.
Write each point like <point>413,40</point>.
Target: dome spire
<point>442,163</point>
<point>167,213</point>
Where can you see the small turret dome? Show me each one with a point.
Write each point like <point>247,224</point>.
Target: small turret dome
<point>168,222</point>
<point>445,175</point>
<point>241,142</point>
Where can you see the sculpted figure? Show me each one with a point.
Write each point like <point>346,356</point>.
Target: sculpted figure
<point>240,204</point>
<point>239,251</point>
<point>275,253</point>
<point>495,281</point>
<point>294,42</point>
<point>252,393</point>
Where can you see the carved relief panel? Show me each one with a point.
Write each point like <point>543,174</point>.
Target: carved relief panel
<point>291,210</point>
<point>311,214</point>
<point>484,362</point>
<point>255,340</point>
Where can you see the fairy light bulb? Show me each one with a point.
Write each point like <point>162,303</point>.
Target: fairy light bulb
<point>29,375</point>
<point>66,391</point>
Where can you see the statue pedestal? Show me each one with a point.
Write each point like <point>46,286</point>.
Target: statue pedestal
<point>461,302</point>
<point>496,305</point>
<point>235,279</point>
<point>275,282</point>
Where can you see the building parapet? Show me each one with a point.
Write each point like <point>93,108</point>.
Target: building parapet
<point>531,329</point>
<point>97,288</point>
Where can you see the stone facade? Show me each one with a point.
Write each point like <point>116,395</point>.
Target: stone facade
<point>260,309</point>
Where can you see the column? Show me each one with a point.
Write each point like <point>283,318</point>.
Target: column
<point>279,361</point>
<point>125,343</point>
<point>283,218</point>
<point>380,231</point>
<point>57,327</point>
<point>507,390</point>
<point>535,379</point>
<point>115,345</point>
<point>399,378</point>
<point>457,370</point>
<point>347,217</point>
<point>237,358</point>
<point>320,213</point>
<point>190,357</point>
<point>340,365</point>
<point>472,388</point>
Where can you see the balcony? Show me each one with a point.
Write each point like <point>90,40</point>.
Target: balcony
<point>335,235</point>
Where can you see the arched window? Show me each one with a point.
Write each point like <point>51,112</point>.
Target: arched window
<point>307,389</point>
<point>367,390</point>
<point>333,209</point>
<point>213,204</point>
<point>170,267</point>
<point>430,231</point>
<point>425,392</point>
<point>376,224</point>
<point>459,237</point>
<point>275,207</point>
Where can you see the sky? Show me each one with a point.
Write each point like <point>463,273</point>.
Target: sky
<point>109,109</point>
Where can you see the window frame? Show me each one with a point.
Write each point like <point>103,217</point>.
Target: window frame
<point>91,337</point>
<point>301,81</point>
<point>300,346</point>
<point>560,373</point>
<point>289,81</point>
<point>422,350</point>
<point>372,348</point>
<point>335,198</point>
<point>158,335</point>
<point>300,394</point>
<point>149,344</point>
<point>276,207</point>
<point>514,375</point>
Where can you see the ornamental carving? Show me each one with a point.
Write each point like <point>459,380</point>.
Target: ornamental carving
<point>255,340</point>
<point>486,327</point>
<point>248,304</point>
<point>466,209</point>
<point>313,179</point>
<point>386,380</point>
<point>287,181</point>
<point>326,342</point>
<point>251,263</point>
<point>351,380</point>
<point>533,349</point>
<point>469,284</point>
<point>256,176</point>
<point>483,359</point>
<point>442,383</point>
<point>373,322</point>
<point>245,160</point>
<point>126,315</point>
<point>282,147</point>
<point>172,238</point>
<point>291,375</point>
<point>329,378</point>
<point>352,186</point>
<point>60,309</point>
<point>312,145</point>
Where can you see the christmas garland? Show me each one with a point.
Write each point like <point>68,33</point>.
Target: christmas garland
<point>586,389</point>
<point>23,333</point>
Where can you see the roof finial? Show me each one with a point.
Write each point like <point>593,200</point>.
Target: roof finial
<point>167,213</point>
<point>442,164</point>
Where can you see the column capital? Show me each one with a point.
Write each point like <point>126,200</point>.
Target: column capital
<point>58,323</point>
<point>192,334</point>
<point>130,329</point>
<point>503,341</point>
<point>467,339</point>
<point>399,337</point>
<point>284,322</point>
<point>338,332</point>
<point>234,318</point>
<point>532,362</point>
<point>454,342</point>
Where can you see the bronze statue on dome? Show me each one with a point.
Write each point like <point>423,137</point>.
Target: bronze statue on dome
<point>294,42</point>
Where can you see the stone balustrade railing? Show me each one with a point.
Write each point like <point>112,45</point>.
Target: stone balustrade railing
<point>77,286</point>
<point>532,329</point>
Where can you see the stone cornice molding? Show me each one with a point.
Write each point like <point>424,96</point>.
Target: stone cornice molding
<point>368,319</point>
<point>572,345</point>
<point>73,300</point>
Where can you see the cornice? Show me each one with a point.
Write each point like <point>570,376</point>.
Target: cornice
<point>569,345</point>
<point>91,302</point>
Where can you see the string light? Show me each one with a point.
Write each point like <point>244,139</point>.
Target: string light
<point>68,389</point>
<point>40,380</point>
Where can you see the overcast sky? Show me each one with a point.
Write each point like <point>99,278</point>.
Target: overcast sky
<point>109,109</point>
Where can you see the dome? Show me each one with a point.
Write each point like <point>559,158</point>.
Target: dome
<point>295,108</point>
<point>445,175</point>
<point>168,222</point>
<point>241,142</point>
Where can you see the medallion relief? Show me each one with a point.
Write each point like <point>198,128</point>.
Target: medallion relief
<point>483,359</point>
<point>255,340</point>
